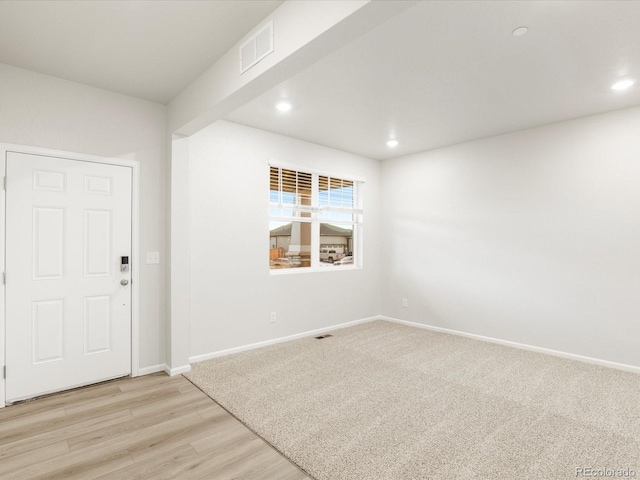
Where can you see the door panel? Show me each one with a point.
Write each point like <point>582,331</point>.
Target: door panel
<point>97,324</point>
<point>68,317</point>
<point>48,243</point>
<point>47,334</point>
<point>97,243</point>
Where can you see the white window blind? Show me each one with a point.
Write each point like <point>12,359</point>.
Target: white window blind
<point>290,193</point>
<point>336,193</point>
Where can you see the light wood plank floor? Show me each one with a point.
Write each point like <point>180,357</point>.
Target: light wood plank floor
<point>146,428</point>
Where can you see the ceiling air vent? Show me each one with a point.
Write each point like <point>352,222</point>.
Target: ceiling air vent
<point>256,48</point>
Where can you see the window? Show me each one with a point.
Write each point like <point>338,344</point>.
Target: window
<point>314,220</point>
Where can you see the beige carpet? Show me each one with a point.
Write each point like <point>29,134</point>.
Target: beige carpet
<point>381,401</point>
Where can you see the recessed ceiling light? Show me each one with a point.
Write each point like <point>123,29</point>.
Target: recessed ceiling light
<point>622,84</point>
<point>518,32</point>
<point>283,106</point>
<point>392,143</point>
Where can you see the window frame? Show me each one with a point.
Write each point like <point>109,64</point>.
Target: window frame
<point>315,221</point>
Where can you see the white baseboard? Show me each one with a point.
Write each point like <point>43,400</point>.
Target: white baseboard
<point>319,331</point>
<point>172,372</point>
<point>522,346</point>
<point>161,367</point>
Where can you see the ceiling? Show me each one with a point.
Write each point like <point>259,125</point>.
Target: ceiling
<point>441,73</point>
<point>446,72</point>
<point>146,49</point>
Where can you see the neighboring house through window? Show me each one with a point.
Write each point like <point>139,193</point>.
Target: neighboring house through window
<point>315,220</point>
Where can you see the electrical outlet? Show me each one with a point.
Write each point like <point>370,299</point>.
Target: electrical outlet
<point>273,317</point>
<point>405,303</point>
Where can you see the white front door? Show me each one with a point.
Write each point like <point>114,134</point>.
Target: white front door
<point>68,304</point>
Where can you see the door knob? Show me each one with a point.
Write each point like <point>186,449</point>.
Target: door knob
<point>124,282</point>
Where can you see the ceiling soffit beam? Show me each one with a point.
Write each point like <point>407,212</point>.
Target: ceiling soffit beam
<point>304,32</point>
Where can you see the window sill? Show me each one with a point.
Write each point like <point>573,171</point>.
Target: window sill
<point>293,271</point>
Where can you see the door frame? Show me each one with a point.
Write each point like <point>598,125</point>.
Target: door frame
<point>6,148</point>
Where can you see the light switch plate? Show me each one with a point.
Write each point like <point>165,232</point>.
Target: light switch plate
<point>153,257</point>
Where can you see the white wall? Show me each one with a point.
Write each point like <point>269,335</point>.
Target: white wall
<point>531,237</point>
<point>38,110</point>
<point>232,293</point>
